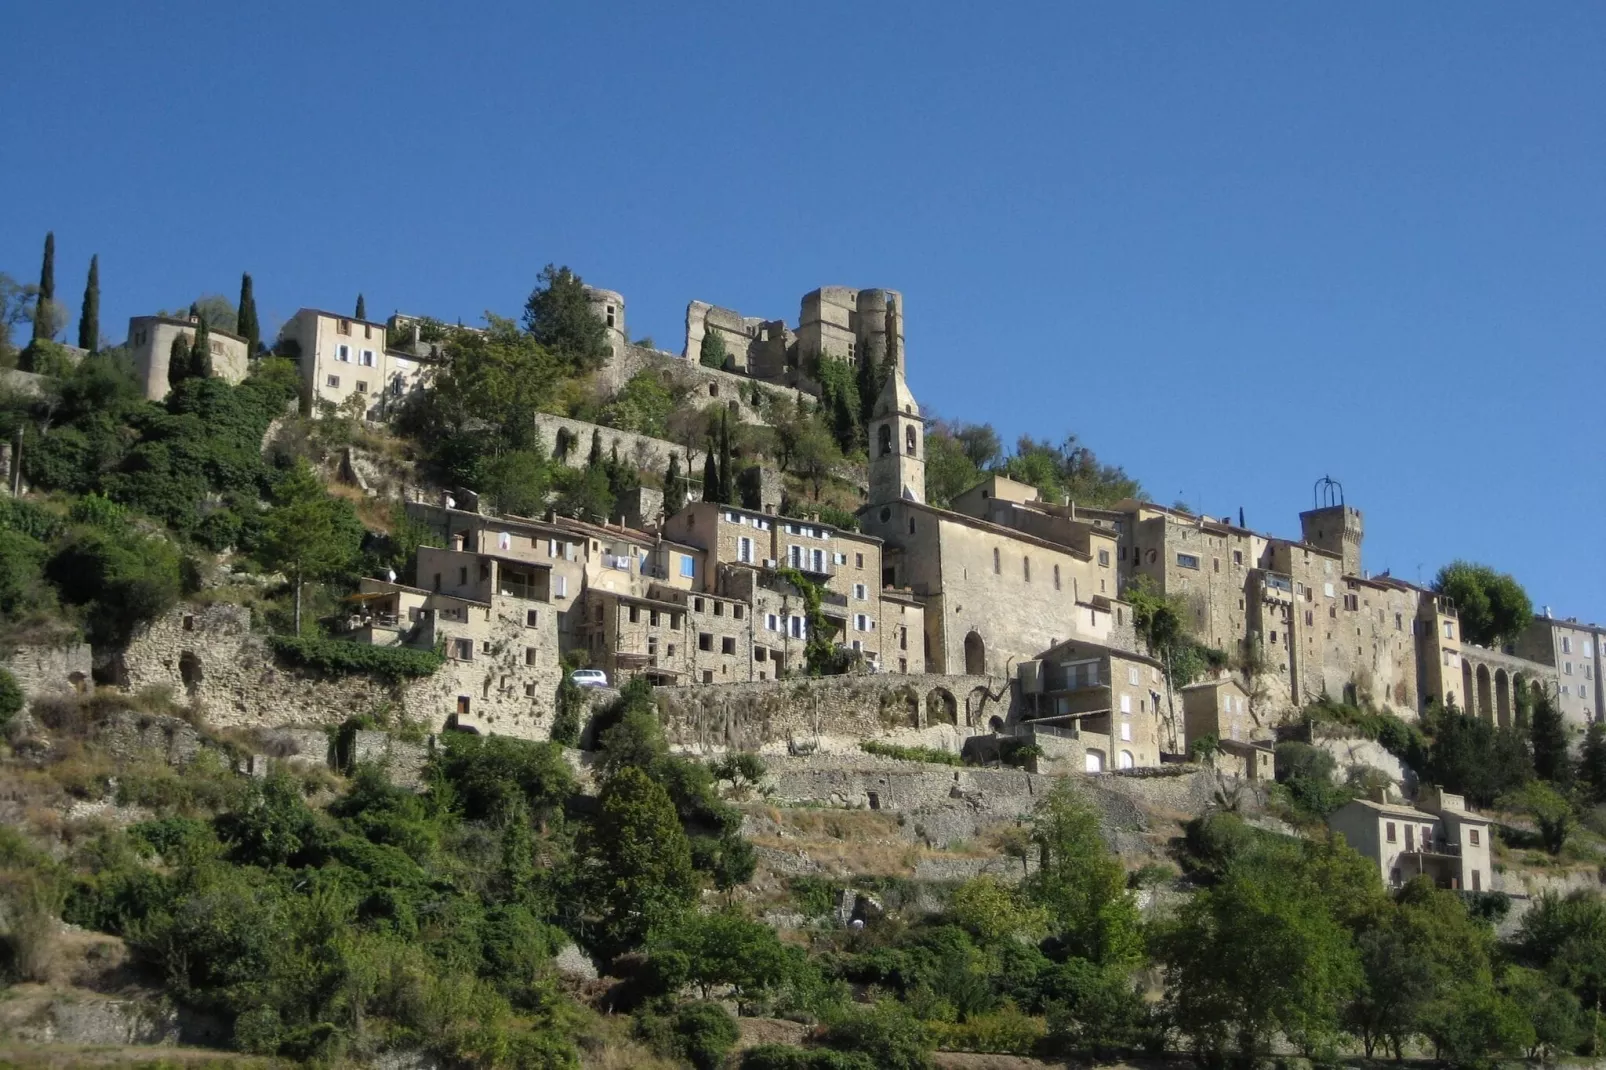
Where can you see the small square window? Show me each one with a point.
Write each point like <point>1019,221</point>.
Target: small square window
<point>1472,837</point>
<point>334,381</point>
<point>362,386</point>
<point>727,645</point>
<point>705,641</point>
<point>1389,832</point>
<point>532,618</point>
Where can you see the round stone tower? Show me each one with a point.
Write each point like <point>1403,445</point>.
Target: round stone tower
<point>609,307</point>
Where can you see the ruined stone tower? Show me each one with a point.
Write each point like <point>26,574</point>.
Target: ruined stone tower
<point>897,444</point>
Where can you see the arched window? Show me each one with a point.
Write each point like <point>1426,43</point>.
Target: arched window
<point>886,439</point>
<point>909,440</point>
<point>1127,761</point>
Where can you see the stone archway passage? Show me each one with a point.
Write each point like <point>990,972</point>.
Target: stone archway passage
<point>1485,694</point>
<point>941,707</point>
<point>1502,698</point>
<point>975,655</point>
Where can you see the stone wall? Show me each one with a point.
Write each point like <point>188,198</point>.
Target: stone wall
<point>834,713</point>
<point>49,669</point>
<point>643,451</point>
<point>709,386</point>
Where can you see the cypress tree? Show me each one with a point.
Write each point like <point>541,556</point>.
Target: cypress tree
<point>594,458</point>
<point>89,319</point>
<point>727,491</point>
<point>362,309</point>
<point>47,290</point>
<point>250,328</point>
<point>869,384</point>
<point>178,361</point>
<point>710,475</point>
<point>201,352</point>
<point>1549,737</point>
<point>1592,763</point>
<point>674,487</point>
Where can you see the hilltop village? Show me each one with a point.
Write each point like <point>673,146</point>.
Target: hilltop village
<point>527,695</point>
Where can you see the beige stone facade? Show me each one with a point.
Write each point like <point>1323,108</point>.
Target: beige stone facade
<point>1438,838</point>
<point>1573,650</point>
<point>343,358</point>
<point>150,342</point>
<point>1118,698</point>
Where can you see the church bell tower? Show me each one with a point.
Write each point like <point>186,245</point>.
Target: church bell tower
<point>897,444</point>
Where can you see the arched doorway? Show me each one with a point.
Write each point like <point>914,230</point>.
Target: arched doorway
<point>1485,694</point>
<point>975,655</point>
<point>1126,760</point>
<point>1468,694</point>
<point>941,707</point>
<point>1093,761</point>
<point>1502,698</point>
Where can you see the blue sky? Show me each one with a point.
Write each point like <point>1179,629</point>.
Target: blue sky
<point>1232,247</point>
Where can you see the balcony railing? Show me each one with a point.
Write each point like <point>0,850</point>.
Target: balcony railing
<point>616,561</point>
<point>528,591</point>
<point>1278,582</point>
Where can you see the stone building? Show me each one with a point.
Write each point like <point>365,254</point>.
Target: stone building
<point>609,307</point>
<point>150,342</point>
<point>1118,698</point>
<point>1219,709</point>
<point>1572,650</point>
<point>343,358</point>
<point>1438,838</point>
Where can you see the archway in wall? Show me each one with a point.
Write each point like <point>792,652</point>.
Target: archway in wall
<point>1126,761</point>
<point>941,707</point>
<point>1485,694</point>
<point>975,655</point>
<point>1469,696</point>
<point>976,705</point>
<point>1093,761</point>
<point>1502,698</point>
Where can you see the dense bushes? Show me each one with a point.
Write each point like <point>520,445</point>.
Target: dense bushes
<point>910,754</point>
<point>338,656</point>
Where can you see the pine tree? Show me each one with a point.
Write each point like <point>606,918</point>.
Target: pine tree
<point>362,309</point>
<point>1549,737</point>
<point>201,352</point>
<point>250,328</point>
<point>89,319</point>
<point>674,487</point>
<point>1592,762</point>
<point>47,290</point>
<point>178,361</point>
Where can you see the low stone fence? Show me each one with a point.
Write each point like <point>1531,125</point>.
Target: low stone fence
<point>643,451</point>
<point>834,713</point>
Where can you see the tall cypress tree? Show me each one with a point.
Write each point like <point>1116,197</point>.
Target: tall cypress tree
<point>1549,738</point>
<point>47,290</point>
<point>178,361</point>
<point>362,308</point>
<point>594,458</point>
<point>89,319</point>
<point>201,352</point>
<point>727,492</point>
<point>674,487</point>
<point>869,384</point>
<point>710,473</point>
<point>250,328</point>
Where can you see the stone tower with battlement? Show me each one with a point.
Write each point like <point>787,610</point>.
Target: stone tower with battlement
<point>1336,529</point>
<point>897,444</point>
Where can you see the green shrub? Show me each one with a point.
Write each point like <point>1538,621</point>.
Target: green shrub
<point>887,1033</point>
<point>338,657</point>
<point>703,1034</point>
<point>910,754</point>
<point>1005,1031</point>
<point>784,1057</point>
<point>11,697</point>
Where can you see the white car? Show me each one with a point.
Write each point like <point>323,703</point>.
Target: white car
<point>589,678</point>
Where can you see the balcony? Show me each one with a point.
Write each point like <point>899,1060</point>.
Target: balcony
<point>616,561</point>
<point>532,592</point>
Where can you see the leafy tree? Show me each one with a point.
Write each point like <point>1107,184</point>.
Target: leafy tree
<point>887,1033</point>
<point>1472,757</point>
<point>643,405</point>
<point>1081,883</point>
<point>1395,988</point>
<point>719,949</point>
<point>1551,811</point>
<point>674,487</point>
<point>43,328</point>
<point>1492,606</point>
<point>1592,763</point>
<point>702,1034</point>
<point>558,316</point>
<point>11,698</point>
<point>246,323</point>
<point>636,861</point>
<point>1565,937</point>
<point>815,456</point>
<point>201,352</point>
<point>307,533</point>
<point>89,317</point>
<point>1548,736</point>
<point>727,484</point>
<point>979,443</point>
<point>993,912</point>
<point>517,482</point>
<point>493,777</point>
<point>1559,1024</point>
<point>712,353</point>
<point>216,309</point>
<point>950,471</point>
<point>1306,774</point>
<point>122,576</point>
<point>361,312</point>
<point>1069,471</point>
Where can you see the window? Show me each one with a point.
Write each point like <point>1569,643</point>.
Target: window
<point>688,567</point>
<point>736,611</point>
<point>744,550</point>
<point>1566,645</point>
<point>1215,564</point>
<point>759,653</point>
<point>1477,881</point>
<point>1310,619</point>
<point>462,576</point>
<point>368,358</point>
<point>858,560</point>
<point>463,649</point>
<point>560,586</point>
<point>532,618</point>
<point>1389,832</point>
<point>727,645</point>
<point>1126,732</point>
<point>719,609</point>
<point>1187,561</point>
<point>343,353</point>
<point>362,386</point>
<point>1126,703</point>
<point>794,556</point>
<point>1449,629</point>
<point>998,567</point>
<point>772,622</point>
<point>530,655</point>
<point>1399,622</point>
<point>1132,675</point>
<point>819,561</point>
<point>861,623</point>
<point>1238,557</point>
<point>635,614</point>
<point>652,618</point>
<point>909,440</point>
<point>858,590</point>
<point>343,327</point>
<point>795,627</point>
<point>705,641</point>
<point>1472,837</point>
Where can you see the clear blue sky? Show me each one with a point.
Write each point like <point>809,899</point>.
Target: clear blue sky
<point>1233,247</point>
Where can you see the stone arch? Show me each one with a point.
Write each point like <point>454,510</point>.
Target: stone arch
<point>1469,694</point>
<point>996,723</point>
<point>941,707</point>
<point>976,705</point>
<point>713,390</point>
<point>909,440</point>
<point>884,438</point>
<point>1125,760</point>
<point>189,670</point>
<point>975,654</point>
<point>1485,693</point>
<point>1502,698</point>
<point>1093,760</point>
<point>732,406</point>
<point>79,682</point>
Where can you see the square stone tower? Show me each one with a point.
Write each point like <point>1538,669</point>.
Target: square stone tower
<point>1336,529</point>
